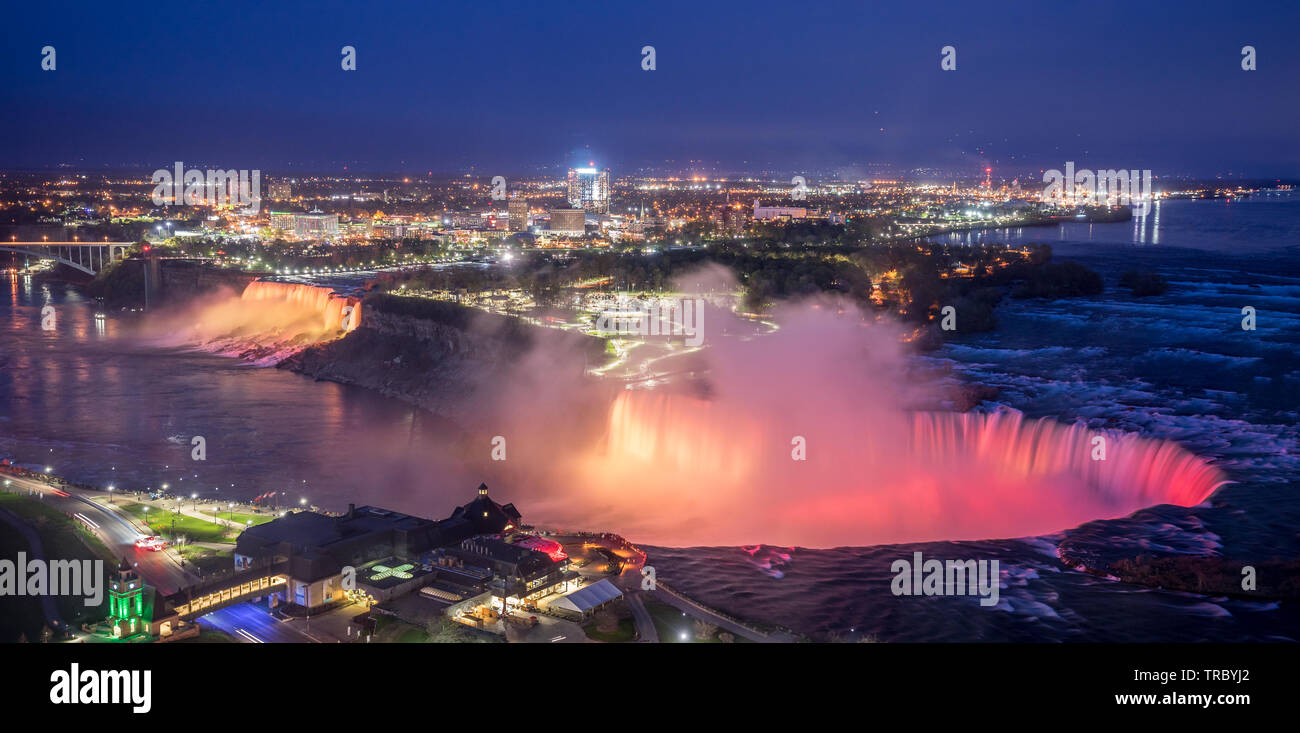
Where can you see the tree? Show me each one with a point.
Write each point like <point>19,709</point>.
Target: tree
<point>705,630</point>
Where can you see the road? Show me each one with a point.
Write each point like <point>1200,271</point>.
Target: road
<point>118,533</point>
<point>252,624</point>
<point>645,626</point>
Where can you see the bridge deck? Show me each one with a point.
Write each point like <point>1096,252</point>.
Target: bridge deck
<point>206,597</point>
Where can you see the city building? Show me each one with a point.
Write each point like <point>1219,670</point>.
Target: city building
<point>282,220</point>
<point>383,547</point>
<point>280,191</point>
<point>768,213</point>
<point>572,222</point>
<point>588,189</point>
<point>315,225</point>
<point>518,209</point>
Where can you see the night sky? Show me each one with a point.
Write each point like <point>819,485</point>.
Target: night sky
<point>514,87</point>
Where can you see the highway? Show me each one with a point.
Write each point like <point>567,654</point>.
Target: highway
<point>159,569</point>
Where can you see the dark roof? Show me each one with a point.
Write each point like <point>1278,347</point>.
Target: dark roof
<point>313,536</point>
<point>486,515</point>
<point>498,550</point>
<point>301,529</point>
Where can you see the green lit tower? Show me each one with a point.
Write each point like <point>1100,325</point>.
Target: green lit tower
<point>126,603</point>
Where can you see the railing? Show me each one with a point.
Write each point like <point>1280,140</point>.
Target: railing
<point>220,598</point>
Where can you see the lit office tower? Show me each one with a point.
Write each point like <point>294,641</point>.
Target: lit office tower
<point>518,209</point>
<point>589,190</point>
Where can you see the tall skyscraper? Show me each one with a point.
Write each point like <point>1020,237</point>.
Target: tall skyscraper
<point>518,211</point>
<point>589,190</point>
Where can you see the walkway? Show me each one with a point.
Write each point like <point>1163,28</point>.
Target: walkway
<point>645,626</point>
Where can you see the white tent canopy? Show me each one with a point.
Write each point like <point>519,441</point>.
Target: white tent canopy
<point>584,600</point>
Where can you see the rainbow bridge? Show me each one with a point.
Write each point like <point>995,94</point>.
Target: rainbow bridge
<point>89,257</point>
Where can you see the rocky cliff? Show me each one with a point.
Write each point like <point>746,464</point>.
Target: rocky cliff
<point>445,358</point>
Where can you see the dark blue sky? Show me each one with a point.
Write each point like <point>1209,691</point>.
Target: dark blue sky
<point>506,87</point>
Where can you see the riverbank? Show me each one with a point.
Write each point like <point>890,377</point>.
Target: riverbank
<point>447,359</point>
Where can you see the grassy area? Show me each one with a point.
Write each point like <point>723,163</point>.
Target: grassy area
<point>245,519</point>
<point>168,524</point>
<point>19,615</point>
<point>671,623</point>
<point>64,539</point>
<point>626,631</point>
<point>412,635</point>
<point>205,560</point>
<point>209,636</point>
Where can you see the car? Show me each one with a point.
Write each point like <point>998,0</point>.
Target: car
<point>152,543</point>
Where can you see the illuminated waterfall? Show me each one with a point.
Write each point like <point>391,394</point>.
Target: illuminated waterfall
<point>338,312</point>
<point>680,470</point>
<point>267,323</point>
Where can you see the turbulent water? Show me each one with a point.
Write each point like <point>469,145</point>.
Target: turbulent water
<point>1177,367</point>
<point>102,401</point>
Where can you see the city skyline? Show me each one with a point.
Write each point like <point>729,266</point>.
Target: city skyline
<point>966,330</point>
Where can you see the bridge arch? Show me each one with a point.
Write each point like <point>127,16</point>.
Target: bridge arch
<point>88,257</point>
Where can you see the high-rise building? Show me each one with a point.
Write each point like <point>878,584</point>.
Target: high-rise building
<point>315,225</point>
<point>518,209</point>
<point>589,190</point>
<point>283,220</point>
<point>568,221</point>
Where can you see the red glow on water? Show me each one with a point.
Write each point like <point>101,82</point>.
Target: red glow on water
<point>808,438</point>
<point>706,473</point>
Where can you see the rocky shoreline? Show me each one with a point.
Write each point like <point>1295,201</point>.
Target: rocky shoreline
<point>441,357</point>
